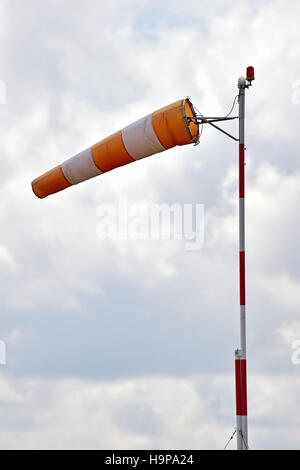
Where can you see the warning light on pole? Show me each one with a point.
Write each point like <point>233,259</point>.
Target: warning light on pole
<point>250,74</point>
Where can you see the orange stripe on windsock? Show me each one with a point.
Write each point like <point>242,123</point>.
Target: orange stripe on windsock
<point>111,153</point>
<point>49,183</point>
<point>170,125</point>
<point>165,128</point>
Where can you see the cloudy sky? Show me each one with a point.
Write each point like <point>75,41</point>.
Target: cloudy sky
<point>130,344</point>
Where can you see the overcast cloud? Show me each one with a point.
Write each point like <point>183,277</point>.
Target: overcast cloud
<point>130,343</point>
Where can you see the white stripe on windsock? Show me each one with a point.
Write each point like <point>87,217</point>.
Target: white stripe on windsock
<point>81,167</point>
<point>140,139</point>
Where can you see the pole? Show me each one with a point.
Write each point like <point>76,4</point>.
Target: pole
<point>240,354</point>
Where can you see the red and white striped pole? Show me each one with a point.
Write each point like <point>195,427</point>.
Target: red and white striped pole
<point>240,354</point>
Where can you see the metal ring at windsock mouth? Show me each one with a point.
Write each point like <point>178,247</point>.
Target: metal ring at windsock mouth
<point>188,119</point>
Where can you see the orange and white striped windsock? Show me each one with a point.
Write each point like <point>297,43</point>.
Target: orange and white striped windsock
<point>159,131</point>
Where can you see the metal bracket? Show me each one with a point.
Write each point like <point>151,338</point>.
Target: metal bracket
<point>198,119</point>
<point>238,353</point>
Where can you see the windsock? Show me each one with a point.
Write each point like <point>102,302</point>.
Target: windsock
<point>172,125</point>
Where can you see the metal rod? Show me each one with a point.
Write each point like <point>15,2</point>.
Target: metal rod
<point>224,132</point>
<point>210,119</point>
<point>216,118</point>
<point>219,128</point>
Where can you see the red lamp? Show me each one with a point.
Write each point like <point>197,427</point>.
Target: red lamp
<point>250,74</point>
